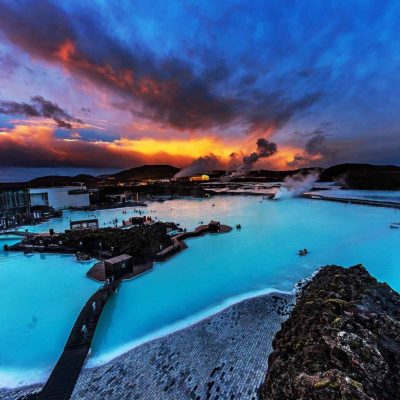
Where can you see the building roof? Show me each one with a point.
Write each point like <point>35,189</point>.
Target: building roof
<point>12,185</point>
<point>120,258</point>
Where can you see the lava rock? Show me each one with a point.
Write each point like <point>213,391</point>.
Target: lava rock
<point>342,341</point>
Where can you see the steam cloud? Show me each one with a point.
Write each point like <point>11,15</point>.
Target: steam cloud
<point>264,149</point>
<point>212,162</point>
<point>316,147</point>
<point>201,165</point>
<point>296,185</point>
<point>39,107</point>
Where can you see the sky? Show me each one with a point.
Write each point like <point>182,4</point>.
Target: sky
<point>107,85</point>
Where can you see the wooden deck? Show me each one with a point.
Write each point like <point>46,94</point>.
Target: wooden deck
<point>62,380</point>
<point>98,273</point>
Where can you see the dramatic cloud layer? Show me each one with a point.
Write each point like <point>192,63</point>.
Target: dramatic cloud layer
<point>181,72</point>
<point>37,146</point>
<point>168,89</point>
<point>39,107</point>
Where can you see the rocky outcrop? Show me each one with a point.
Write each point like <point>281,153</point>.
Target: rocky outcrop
<point>342,341</point>
<point>141,242</point>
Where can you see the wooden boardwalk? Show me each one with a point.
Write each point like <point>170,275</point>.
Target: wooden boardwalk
<point>98,272</point>
<point>62,380</point>
<point>364,202</point>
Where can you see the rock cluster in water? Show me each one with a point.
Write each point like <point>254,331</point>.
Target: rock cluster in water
<point>141,242</point>
<point>342,341</point>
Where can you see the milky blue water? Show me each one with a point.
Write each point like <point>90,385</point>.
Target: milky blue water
<point>214,271</point>
<point>40,298</point>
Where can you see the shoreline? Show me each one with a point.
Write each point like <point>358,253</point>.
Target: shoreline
<point>266,196</point>
<point>186,323</point>
<point>356,201</point>
<point>172,331</point>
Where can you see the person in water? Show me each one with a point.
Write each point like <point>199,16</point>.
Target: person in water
<point>303,252</point>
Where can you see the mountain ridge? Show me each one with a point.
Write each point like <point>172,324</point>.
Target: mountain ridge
<point>352,175</point>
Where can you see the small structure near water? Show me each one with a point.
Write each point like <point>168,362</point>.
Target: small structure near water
<point>118,266</point>
<point>214,226</point>
<point>199,178</point>
<point>84,224</point>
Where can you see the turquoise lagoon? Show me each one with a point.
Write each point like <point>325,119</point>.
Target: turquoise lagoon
<point>216,270</point>
<point>41,296</point>
<point>376,195</point>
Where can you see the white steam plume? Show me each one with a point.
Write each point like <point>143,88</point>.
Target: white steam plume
<point>296,185</point>
<point>264,149</point>
<point>200,166</point>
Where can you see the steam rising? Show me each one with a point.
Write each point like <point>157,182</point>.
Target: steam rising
<point>211,162</point>
<point>201,165</point>
<point>264,149</point>
<point>296,185</point>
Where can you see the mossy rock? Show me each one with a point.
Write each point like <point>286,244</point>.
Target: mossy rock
<point>336,322</point>
<point>356,384</point>
<point>356,343</point>
<point>322,383</point>
<point>343,304</point>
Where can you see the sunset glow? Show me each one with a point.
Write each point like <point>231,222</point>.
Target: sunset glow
<point>138,90</point>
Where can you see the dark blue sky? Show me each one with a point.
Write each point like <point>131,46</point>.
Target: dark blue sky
<point>123,83</point>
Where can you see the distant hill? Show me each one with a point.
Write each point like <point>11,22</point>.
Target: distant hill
<point>364,176</point>
<point>132,174</point>
<point>60,180</point>
<point>279,176</point>
<point>146,172</point>
<point>337,171</point>
<point>352,176</point>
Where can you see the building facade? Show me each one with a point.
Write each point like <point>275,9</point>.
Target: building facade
<point>60,197</point>
<point>14,206</point>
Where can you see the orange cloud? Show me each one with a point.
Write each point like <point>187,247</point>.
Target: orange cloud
<point>192,147</point>
<point>37,145</point>
<point>145,87</point>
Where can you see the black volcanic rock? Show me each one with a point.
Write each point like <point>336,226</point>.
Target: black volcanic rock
<point>173,189</point>
<point>141,242</point>
<point>342,341</point>
<point>147,172</point>
<point>364,176</point>
<point>274,176</point>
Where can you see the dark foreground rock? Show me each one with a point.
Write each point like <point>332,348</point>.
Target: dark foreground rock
<point>342,341</point>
